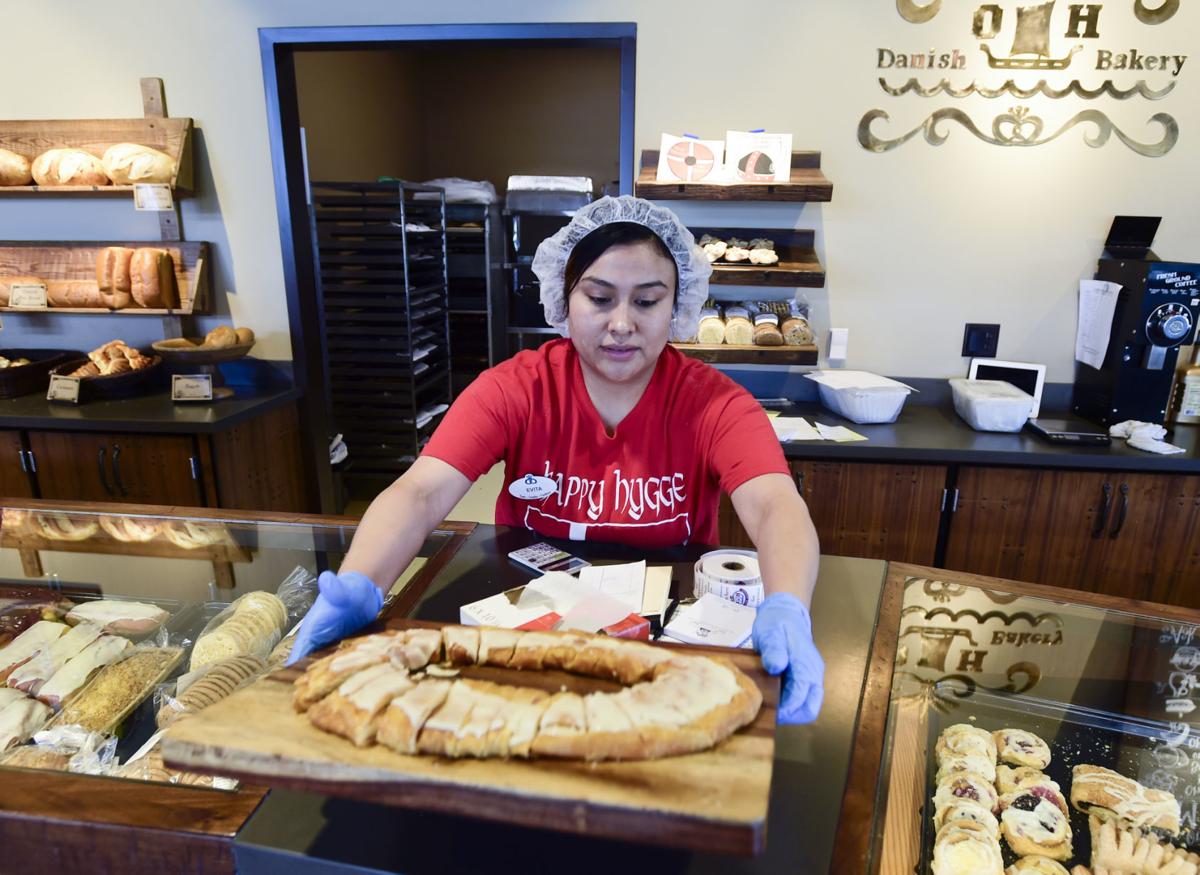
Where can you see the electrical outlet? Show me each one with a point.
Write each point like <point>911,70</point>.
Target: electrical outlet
<point>980,341</point>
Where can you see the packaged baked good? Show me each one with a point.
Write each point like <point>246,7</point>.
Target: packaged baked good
<point>28,644</point>
<point>34,673</point>
<point>68,167</point>
<point>19,720</point>
<point>119,688</point>
<point>152,278</point>
<point>73,676</point>
<point>130,163</point>
<point>712,326</point>
<point>252,624</point>
<point>766,330</point>
<point>217,681</point>
<point>120,617</point>
<point>33,756</point>
<point>738,327</point>
<point>112,276</point>
<point>14,168</point>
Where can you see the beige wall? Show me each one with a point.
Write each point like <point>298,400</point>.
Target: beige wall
<point>917,241</point>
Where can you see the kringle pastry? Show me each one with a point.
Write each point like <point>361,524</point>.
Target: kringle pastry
<point>129,164</point>
<point>68,167</point>
<point>130,529</point>
<point>965,785</point>
<point>1036,865</point>
<point>112,276</point>
<point>966,847</point>
<point>152,278</point>
<point>1132,852</point>
<point>1034,824</point>
<point>967,810</point>
<point>192,535</point>
<point>1021,748</point>
<point>20,720</point>
<point>679,704</point>
<point>14,169</point>
<point>1107,795</point>
<point>120,617</point>
<point>31,676</point>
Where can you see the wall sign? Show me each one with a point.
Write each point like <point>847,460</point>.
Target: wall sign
<point>1062,41</point>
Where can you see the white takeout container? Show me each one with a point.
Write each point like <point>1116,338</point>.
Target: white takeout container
<point>991,405</point>
<point>860,396</point>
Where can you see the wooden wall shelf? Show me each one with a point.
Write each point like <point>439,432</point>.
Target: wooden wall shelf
<point>64,260</point>
<point>797,266</point>
<point>731,354</point>
<point>807,184</point>
<point>32,138</point>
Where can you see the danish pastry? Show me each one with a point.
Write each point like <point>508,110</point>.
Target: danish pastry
<point>967,810</point>
<point>1021,748</point>
<point>965,785</point>
<point>1033,824</point>
<point>966,847</point>
<point>1132,852</point>
<point>1103,793</point>
<point>1009,779</point>
<point>1038,865</point>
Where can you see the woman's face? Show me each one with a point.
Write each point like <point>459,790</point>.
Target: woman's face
<point>619,313</point>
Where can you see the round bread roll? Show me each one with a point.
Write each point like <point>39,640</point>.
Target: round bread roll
<point>68,167</point>
<point>221,337</point>
<point>244,335</point>
<point>7,282</point>
<point>14,169</point>
<point>129,163</point>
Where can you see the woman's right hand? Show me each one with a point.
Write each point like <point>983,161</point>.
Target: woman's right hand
<point>347,603</point>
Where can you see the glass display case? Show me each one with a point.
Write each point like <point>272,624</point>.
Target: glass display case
<point>113,625</point>
<point>1104,683</point>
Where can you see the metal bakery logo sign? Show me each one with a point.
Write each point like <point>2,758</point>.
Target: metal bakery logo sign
<point>1049,38</point>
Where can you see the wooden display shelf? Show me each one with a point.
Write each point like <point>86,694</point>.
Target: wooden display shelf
<point>807,184</point>
<point>32,138</point>
<point>55,260</point>
<point>798,264</point>
<point>737,354</point>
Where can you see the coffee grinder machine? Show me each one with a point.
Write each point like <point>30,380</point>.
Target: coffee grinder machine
<point>1157,311</point>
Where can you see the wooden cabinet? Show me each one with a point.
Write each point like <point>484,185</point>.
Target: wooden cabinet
<point>14,476</point>
<point>1123,534</point>
<point>138,469</point>
<point>873,511</point>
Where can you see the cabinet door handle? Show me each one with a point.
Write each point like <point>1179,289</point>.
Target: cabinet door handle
<point>1105,506</point>
<point>194,463</point>
<point>117,469</point>
<point>32,461</point>
<point>103,471</point>
<point>21,458</point>
<point>1122,509</point>
<point>800,483</point>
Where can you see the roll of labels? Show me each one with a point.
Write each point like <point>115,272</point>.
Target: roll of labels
<point>732,575</point>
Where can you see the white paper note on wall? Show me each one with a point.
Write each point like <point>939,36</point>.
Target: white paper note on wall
<point>1097,303</point>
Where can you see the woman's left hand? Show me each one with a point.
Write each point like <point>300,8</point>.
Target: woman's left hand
<point>782,635</point>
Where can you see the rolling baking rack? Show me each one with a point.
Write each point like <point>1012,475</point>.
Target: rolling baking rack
<point>382,288</point>
<point>478,304</point>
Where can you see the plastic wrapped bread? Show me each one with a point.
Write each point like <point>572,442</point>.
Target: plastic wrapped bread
<point>796,328</point>
<point>712,327</point>
<point>19,720</point>
<point>72,676</point>
<point>738,327</point>
<point>28,644</point>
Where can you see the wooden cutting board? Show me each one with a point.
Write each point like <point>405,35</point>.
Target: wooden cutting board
<point>713,801</point>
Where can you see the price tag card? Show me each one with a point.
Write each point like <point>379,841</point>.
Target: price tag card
<point>152,197</point>
<point>64,389</point>
<point>28,296</point>
<point>195,387</point>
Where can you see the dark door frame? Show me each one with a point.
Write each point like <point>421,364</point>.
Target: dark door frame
<point>278,46</point>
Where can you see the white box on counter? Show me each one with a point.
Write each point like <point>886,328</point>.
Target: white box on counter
<point>861,396</point>
<point>991,405</point>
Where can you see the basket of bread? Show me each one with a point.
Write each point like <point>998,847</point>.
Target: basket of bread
<point>223,344</point>
<point>114,370</point>
<point>25,371</point>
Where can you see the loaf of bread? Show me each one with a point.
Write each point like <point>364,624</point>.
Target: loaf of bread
<point>68,167</point>
<point>129,163</point>
<point>796,331</point>
<point>738,327</point>
<point>73,293</point>
<point>152,278</point>
<point>766,333</point>
<point>245,335</point>
<point>14,169</point>
<point>112,276</point>
<point>7,282</point>
<point>712,328</point>
<point>220,337</point>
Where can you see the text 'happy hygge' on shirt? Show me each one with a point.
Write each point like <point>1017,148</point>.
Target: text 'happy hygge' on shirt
<point>655,482</point>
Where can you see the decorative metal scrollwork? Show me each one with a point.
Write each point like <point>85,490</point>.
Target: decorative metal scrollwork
<point>1107,89</point>
<point>919,13</point>
<point>1146,15</point>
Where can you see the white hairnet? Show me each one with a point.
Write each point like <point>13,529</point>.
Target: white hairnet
<point>692,267</point>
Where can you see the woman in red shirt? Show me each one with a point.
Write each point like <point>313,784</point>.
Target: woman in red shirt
<point>630,441</point>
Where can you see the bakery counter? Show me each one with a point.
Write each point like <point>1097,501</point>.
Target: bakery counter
<point>935,434</point>
<point>148,414</point>
<point>159,593</point>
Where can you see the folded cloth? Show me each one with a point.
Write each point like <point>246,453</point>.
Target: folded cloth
<point>461,191</point>
<point>1144,436</point>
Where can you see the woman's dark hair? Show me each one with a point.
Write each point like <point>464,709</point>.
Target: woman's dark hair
<point>601,240</point>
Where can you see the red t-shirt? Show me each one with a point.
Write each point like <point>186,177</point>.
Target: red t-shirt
<point>654,483</point>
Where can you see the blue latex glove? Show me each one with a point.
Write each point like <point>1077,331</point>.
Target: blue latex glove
<point>346,604</point>
<point>782,635</point>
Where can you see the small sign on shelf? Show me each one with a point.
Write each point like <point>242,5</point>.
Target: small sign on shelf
<point>191,387</point>
<point>63,389</point>
<point>28,296</point>
<point>152,197</point>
